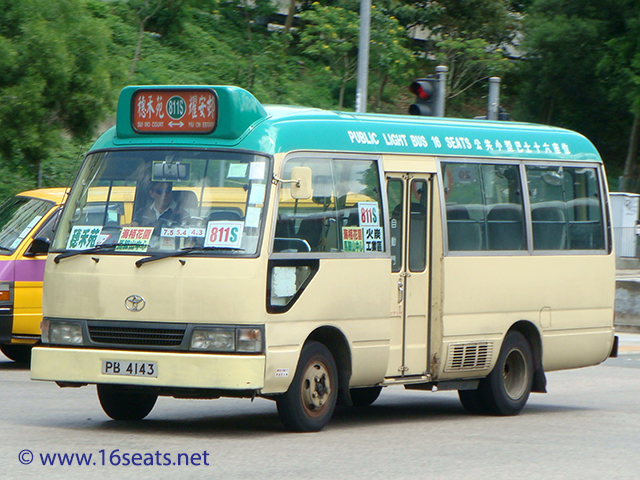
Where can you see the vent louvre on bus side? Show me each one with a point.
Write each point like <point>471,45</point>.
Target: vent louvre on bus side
<point>464,357</point>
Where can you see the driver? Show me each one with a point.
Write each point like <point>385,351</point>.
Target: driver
<point>163,211</point>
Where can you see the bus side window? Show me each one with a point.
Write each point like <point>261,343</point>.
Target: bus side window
<point>418,226</point>
<point>484,207</point>
<point>566,211</point>
<point>343,214</point>
<point>396,194</point>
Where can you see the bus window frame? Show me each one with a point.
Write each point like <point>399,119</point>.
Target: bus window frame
<point>526,205</point>
<point>311,155</point>
<point>268,180</point>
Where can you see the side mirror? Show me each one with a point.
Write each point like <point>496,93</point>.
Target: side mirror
<point>301,183</point>
<point>39,246</point>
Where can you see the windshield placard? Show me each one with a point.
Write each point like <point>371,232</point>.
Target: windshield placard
<point>134,239</point>
<point>224,234</point>
<point>83,237</point>
<point>174,111</point>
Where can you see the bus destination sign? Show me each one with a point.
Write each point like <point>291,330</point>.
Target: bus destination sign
<point>174,111</point>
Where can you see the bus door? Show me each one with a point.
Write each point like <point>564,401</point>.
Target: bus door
<point>409,217</point>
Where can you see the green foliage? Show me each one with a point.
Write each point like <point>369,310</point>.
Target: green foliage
<point>331,35</point>
<point>63,62</point>
<point>469,61</point>
<point>559,84</point>
<point>54,78</point>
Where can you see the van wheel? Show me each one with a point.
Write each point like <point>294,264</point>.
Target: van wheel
<point>506,390</point>
<point>311,399</point>
<point>122,403</point>
<point>363,397</point>
<point>17,353</point>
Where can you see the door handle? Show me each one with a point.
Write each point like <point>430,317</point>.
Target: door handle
<point>400,291</point>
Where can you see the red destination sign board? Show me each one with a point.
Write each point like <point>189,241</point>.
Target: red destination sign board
<point>175,111</point>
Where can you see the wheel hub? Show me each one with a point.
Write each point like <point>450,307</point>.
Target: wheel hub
<point>316,387</point>
<point>515,374</point>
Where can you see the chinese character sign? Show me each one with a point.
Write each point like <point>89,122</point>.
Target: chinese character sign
<point>83,237</point>
<point>174,111</point>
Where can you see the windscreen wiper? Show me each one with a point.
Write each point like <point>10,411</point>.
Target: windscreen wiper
<point>73,253</point>
<point>182,252</point>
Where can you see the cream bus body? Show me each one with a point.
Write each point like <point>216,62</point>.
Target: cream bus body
<point>312,321</point>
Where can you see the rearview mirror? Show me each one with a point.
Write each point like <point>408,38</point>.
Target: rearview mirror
<point>170,171</point>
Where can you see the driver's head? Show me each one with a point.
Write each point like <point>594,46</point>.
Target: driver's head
<point>161,194</point>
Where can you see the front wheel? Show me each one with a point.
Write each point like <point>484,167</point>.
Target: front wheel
<point>506,390</point>
<point>122,403</point>
<point>311,399</point>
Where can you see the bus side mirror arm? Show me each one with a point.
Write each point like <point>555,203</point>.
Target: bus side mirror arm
<point>300,182</point>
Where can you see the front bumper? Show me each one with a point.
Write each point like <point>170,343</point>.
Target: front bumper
<point>175,369</point>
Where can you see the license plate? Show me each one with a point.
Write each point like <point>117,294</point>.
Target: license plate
<point>130,369</point>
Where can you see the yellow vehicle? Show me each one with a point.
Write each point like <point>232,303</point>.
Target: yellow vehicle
<point>23,218</point>
<point>314,257</point>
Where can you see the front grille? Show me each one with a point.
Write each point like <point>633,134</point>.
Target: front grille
<point>121,335</point>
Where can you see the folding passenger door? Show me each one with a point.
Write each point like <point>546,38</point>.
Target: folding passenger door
<point>410,228</point>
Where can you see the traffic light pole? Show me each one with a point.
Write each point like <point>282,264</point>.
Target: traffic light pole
<point>363,56</point>
<point>441,95</point>
<point>493,109</point>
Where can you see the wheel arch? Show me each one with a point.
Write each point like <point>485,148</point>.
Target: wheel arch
<point>337,343</point>
<point>532,335</point>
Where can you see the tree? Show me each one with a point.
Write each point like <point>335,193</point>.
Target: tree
<point>559,83</point>
<point>331,34</point>
<point>54,77</point>
<point>619,69</point>
<point>469,61</point>
<point>468,36</point>
<point>390,57</point>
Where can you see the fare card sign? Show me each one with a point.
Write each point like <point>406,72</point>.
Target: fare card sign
<point>224,234</point>
<point>174,111</point>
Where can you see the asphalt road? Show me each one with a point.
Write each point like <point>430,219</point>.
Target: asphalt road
<point>586,427</point>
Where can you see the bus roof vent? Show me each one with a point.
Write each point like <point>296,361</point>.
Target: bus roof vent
<point>220,112</point>
<point>463,357</point>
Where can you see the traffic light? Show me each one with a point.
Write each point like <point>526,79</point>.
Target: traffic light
<point>425,90</point>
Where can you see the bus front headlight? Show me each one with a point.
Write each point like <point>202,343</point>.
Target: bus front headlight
<point>228,339</point>
<point>61,333</point>
<point>213,339</point>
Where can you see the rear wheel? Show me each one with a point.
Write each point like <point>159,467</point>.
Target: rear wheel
<point>122,403</point>
<point>506,390</point>
<point>363,397</point>
<point>311,399</point>
<point>17,353</point>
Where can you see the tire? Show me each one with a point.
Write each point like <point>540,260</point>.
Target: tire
<point>363,397</point>
<point>122,403</point>
<point>506,390</point>
<point>473,402</point>
<point>17,353</point>
<point>309,403</point>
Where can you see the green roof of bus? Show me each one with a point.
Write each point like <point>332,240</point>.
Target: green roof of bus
<point>244,123</point>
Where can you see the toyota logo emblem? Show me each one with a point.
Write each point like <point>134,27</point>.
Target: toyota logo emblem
<point>134,303</point>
